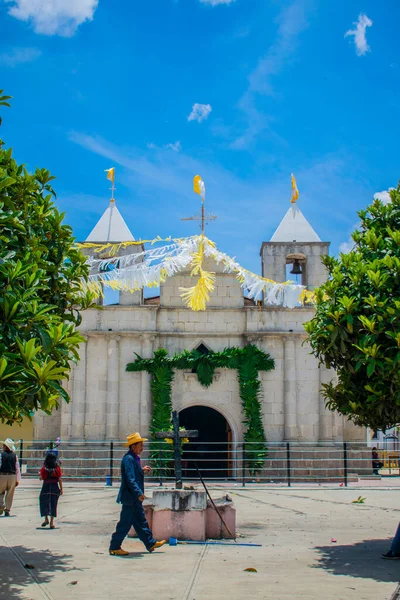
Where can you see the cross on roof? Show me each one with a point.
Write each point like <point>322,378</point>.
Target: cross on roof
<point>203,218</point>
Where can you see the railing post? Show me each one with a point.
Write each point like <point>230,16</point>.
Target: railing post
<point>111,462</point>
<point>345,462</point>
<point>160,463</point>
<point>21,453</point>
<point>244,464</point>
<point>288,467</point>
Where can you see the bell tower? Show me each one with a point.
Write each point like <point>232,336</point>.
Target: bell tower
<point>295,243</point>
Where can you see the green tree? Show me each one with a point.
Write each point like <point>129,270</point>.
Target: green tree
<point>4,101</point>
<point>356,328</point>
<point>41,275</point>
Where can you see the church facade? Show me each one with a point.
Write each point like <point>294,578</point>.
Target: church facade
<point>107,402</point>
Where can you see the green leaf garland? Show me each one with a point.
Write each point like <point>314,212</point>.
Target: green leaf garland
<point>248,361</point>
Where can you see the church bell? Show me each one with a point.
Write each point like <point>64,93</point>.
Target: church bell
<point>296,268</point>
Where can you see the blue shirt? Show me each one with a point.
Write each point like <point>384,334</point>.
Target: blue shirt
<point>132,480</point>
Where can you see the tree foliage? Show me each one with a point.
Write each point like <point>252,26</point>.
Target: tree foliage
<point>40,292</point>
<point>356,328</point>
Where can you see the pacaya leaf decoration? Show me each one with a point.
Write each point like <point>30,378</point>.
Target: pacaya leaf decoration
<point>248,361</point>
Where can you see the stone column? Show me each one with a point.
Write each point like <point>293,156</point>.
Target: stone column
<point>112,408</point>
<point>66,409</point>
<point>291,434</point>
<point>325,415</point>
<point>78,407</point>
<point>338,421</point>
<point>145,392</point>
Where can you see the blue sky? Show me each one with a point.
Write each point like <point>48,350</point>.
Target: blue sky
<point>113,82</point>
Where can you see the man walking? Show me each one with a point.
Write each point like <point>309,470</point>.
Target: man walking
<point>131,496</point>
<point>9,476</point>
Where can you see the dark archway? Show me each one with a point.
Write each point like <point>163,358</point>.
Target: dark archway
<point>212,450</point>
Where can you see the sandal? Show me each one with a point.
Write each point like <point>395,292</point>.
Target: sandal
<point>52,526</point>
<point>44,523</point>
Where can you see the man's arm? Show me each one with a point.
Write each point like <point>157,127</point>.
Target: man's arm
<point>17,473</point>
<point>130,476</point>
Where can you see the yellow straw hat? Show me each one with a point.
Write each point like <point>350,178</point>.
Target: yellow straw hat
<point>134,438</point>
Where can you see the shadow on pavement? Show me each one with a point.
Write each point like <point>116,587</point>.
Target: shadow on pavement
<point>362,559</point>
<point>22,566</point>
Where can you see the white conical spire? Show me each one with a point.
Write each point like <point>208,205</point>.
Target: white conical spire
<point>111,227</point>
<point>294,227</point>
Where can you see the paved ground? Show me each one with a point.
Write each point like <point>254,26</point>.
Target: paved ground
<point>298,559</point>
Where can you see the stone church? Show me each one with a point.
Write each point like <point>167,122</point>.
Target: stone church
<point>107,402</point>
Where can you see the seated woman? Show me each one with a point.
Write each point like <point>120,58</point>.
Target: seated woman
<point>376,463</point>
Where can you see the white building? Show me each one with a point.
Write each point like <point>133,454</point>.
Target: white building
<point>107,402</point>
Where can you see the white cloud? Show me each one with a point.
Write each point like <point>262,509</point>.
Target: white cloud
<point>360,34</point>
<point>177,147</point>
<point>291,23</point>
<point>18,56</point>
<point>383,196</point>
<point>53,17</point>
<point>216,2</point>
<point>200,112</point>
<point>346,247</point>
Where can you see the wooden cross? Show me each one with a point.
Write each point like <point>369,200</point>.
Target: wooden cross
<point>176,435</point>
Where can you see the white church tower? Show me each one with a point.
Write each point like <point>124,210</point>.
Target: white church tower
<point>111,228</point>
<point>295,243</point>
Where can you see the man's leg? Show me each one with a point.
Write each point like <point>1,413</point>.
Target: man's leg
<point>123,527</point>
<point>141,526</point>
<point>395,547</point>
<point>11,481</point>
<point>3,487</point>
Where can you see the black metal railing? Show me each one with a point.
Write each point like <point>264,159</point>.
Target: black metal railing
<point>280,463</point>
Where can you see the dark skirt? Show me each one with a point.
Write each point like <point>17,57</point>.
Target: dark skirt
<point>48,499</point>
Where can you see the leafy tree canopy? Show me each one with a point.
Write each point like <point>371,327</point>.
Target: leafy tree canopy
<point>40,292</point>
<point>356,328</point>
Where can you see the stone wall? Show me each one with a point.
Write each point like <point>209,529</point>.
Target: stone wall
<point>107,403</point>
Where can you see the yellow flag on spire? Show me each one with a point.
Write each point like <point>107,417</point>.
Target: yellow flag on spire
<point>295,191</point>
<point>110,174</point>
<point>199,186</point>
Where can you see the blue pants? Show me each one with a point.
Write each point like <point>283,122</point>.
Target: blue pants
<point>132,516</point>
<point>395,547</point>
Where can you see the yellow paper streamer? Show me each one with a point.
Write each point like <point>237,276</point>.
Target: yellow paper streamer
<point>197,296</point>
<point>114,248</point>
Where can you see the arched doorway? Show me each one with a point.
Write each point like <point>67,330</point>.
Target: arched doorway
<point>212,450</point>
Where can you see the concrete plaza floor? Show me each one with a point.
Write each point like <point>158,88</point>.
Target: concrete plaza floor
<point>298,558</point>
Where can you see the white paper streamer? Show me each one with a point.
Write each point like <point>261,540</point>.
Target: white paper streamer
<point>149,267</point>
